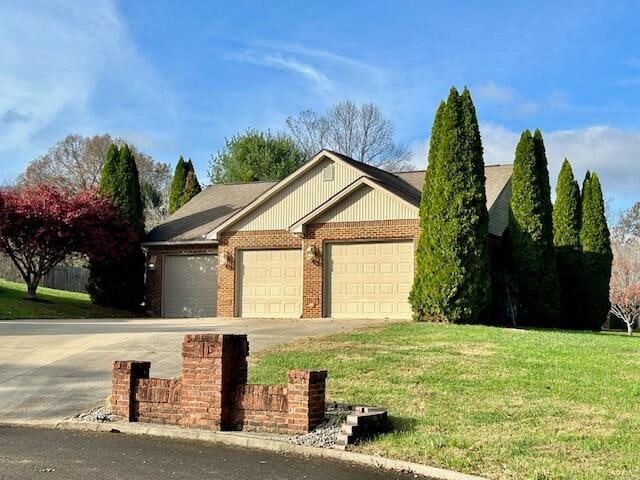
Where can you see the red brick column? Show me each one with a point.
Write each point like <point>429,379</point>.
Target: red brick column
<point>124,377</point>
<point>213,365</point>
<point>305,399</point>
<point>312,279</point>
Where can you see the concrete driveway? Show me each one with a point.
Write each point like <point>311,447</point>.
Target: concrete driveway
<point>52,369</point>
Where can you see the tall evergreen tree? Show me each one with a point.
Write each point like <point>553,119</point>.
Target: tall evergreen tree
<point>191,185</point>
<point>452,270</point>
<point>596,254</point>
<point>531,252</point>
<point>127,195</point>
<point>566,238</point>
<point>417,296</point>
<point>177,185</point>
<point>109,175</point>
<point>119,282</point>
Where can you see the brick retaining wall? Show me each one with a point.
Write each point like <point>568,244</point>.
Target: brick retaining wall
<point>213,392</point>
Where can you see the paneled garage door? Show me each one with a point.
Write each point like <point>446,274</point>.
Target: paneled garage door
<point>368,280</point>
<point>189,286</point>
<point>270,283</point>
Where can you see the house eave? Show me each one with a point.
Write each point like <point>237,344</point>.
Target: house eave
<point>179,243</point>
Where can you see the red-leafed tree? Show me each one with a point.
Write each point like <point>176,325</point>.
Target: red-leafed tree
<point>41,226</point>
<point>624,289</point>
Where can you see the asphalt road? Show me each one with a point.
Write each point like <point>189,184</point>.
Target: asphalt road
<point>36,453</point>
<point>53,369</point>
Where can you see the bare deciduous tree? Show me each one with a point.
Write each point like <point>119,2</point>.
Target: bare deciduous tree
<point>628,227</point>
<point>359,131</point>
<point>75,162</point>
<point>625,270</point>
<point>625,283</point>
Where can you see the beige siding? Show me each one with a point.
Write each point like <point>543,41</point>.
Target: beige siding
<point>369,279</point>
<point>367,204</point>
<point>297,199</point>
<point>499,212</point>
<point>270,283</point>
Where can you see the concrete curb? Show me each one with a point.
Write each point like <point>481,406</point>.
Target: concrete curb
<point>267,442</point>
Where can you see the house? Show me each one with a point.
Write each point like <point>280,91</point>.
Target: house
<point>336,238</point>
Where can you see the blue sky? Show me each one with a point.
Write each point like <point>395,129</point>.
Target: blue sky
<point>178,77</point>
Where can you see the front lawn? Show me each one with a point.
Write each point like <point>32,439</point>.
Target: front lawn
<point>50,304</point>
<point>497,402</point>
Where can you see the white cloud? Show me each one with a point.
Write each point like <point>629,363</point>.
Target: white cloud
<point>495,92</point>
<point>515,104</point>
<point>318,53</point>
<point>318,80</point>
<point>54,56</point>
<point>304,69</point>
<point>614,154</point>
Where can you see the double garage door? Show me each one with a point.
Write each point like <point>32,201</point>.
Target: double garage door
<point>189,286</point>
<point>362,280</point>
<point>369,279</point>
<point>269,283</point>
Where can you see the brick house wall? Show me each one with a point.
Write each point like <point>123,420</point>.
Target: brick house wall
<point>213,394</point>
<point>156,255</point>
<point>312,272</point>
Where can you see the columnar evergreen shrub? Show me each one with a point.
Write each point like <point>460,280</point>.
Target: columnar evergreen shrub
<point>184,186</point>
<point>531,254</point>
<point>177,186</point>
<point>566,238</point>
<point>452,281</point>
<point>119,282</point>
<point>127,195</point>
<point>191,185</point>
<point>596,255</point>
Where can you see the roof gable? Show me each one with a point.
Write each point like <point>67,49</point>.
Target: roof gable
<point>300,202</point>
<point>363,200</point>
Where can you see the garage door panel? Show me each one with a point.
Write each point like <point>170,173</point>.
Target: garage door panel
<point>270,283</point>
<point>189,286</point>
<point>369,279</point>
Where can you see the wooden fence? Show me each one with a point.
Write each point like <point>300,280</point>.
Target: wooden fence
<point>73,279</point>
<point>65,277</point>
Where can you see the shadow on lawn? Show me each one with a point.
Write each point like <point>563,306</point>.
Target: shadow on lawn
<point>402,424</point>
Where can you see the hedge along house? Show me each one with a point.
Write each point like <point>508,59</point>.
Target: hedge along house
<point>336,238</point>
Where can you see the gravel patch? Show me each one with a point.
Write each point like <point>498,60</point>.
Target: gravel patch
<point>321,437</point>
<point>101,415</point>
<point>326,434</point>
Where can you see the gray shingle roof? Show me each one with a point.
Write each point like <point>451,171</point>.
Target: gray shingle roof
<point>496,176</point>
<point>218,202</point>
<point>206,211</point>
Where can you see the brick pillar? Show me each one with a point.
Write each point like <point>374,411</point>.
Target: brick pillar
<point>213,365</point>
<point>226,287</point>
<point>124,376</point>
<point>305,399</point>
<point>312,280</point>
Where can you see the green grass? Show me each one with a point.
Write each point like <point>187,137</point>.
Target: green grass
<point>502,403</point>
<point>50,304</point>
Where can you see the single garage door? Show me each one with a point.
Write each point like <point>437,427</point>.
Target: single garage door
<point>369,279</point>
<point>189,286</point>
<point>270,283</point>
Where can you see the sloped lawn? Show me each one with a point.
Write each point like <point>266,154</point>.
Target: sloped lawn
<point>50,304</point>
<point>503,403</point>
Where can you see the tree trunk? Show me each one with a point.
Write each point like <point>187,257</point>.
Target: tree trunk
<point>629,328</point>
<point>31,291</point>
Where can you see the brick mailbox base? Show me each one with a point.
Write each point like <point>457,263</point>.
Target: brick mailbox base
<point>213,392</point>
